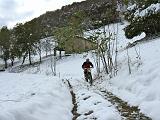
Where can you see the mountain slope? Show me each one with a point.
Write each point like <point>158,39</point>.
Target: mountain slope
<point>141,87</point>
<point>95,10</point>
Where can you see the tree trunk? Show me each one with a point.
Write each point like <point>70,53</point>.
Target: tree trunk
<point>6,65</point>
<point>104,60</point>
<point>12,62</point>
<point>129,67</point>
<point>40,55</point>
<point>40,52</point>
<point>24,57</point>
<point>46,52</point>
<point>40,58</point>
<point>60,54</point>
<point>29,55</point>
<point>55,52</point>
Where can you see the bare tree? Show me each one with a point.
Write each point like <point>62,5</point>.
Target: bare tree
<point>129,61</point>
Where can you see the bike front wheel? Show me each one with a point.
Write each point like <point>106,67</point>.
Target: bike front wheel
<point>89,78</point>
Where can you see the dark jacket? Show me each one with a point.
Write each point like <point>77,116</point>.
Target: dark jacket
<point>87,65</point>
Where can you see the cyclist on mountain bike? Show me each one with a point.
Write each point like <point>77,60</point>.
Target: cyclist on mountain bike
<point>87,71</point>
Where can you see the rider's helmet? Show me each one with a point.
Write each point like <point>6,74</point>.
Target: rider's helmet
<point>87,60</point>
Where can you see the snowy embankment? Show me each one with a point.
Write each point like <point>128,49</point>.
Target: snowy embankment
<point>152,9</point>
<point>91,105</point>
<point>33,97</point>
<point>141,87</point>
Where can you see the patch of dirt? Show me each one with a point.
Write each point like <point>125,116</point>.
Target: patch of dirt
<point>97,103</point>
<point>88,113</point>
<point>86,98</point>
<point>22,68</point>
<point>74,102</point>
<point>127,112</point>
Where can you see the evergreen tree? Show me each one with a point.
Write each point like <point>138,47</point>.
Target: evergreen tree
<point>66,35</point>
<point>5,44</point>
<point>144,17</point>
<point>27,38</point>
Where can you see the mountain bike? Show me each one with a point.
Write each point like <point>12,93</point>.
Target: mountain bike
<point>88,75</point>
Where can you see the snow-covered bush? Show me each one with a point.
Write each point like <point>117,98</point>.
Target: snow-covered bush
<point>143,17</point>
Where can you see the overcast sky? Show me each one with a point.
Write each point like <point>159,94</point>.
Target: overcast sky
<point>19,11</point>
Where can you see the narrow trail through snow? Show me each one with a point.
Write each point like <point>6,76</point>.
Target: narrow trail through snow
<point>74,102</point>
<point>125,111</point>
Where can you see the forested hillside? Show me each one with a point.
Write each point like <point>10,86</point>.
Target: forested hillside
<point>97,13</point>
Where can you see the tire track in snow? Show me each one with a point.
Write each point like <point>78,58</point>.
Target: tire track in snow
<point>74,102</point>
<point>89,114</point>
<point>127,112</point>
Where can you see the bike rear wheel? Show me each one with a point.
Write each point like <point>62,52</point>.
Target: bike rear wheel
<point>88,77</point>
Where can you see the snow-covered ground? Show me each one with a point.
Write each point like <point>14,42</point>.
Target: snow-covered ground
<point>38,95</point>
<point>33,97</point>
<point>92,105</point>
<point>35,94</point>
<point>140,88</point>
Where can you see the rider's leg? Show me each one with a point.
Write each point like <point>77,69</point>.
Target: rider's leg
<point>85,76</point>
<point>90,78</point>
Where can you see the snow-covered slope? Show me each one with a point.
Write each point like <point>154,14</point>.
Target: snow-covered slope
<point>152,9</point>
<point>140,88</point>
<point>33,97</point>
<point>117,32</point>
